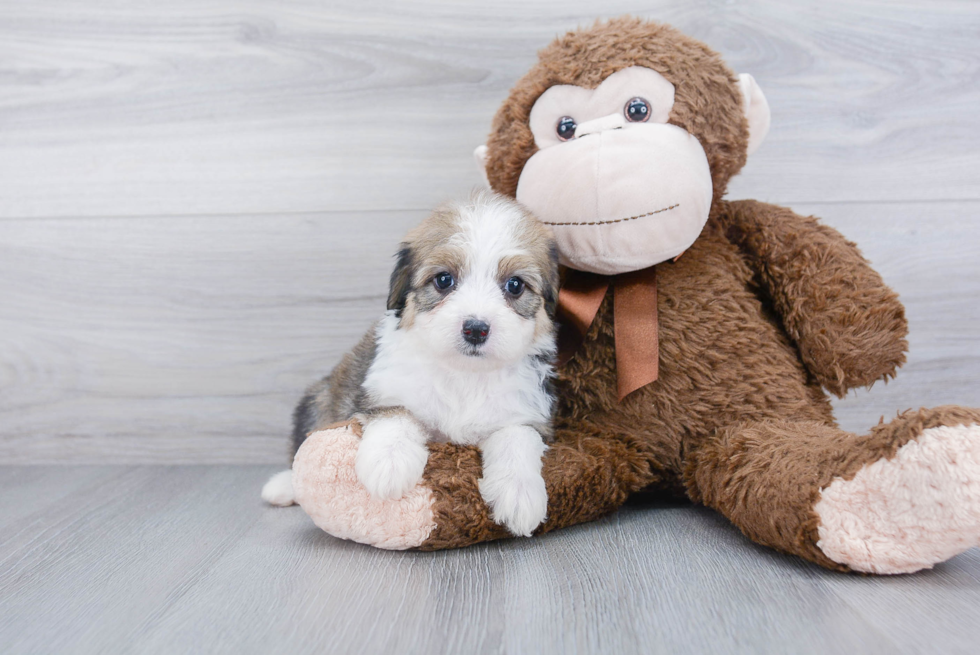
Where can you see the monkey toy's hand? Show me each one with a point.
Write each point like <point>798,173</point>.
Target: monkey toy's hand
<point>848,325</point>
<point>446,501</point>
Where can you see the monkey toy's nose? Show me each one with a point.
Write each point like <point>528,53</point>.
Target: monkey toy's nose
<point>475,331</point>
<point>610,122</point>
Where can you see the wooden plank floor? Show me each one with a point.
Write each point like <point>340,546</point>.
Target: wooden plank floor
<point>153,559</point>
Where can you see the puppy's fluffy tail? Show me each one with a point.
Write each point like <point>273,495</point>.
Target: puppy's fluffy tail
<point>279,489</point>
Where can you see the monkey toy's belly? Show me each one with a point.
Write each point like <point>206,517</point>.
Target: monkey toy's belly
<point>724,359</point>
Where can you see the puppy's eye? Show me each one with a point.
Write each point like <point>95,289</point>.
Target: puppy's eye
<point>443,281</point>
<point>566,128</point>
<point>637,110</point>
<point>514,286</point>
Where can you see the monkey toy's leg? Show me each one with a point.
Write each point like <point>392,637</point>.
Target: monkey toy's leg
<point>900,499</point>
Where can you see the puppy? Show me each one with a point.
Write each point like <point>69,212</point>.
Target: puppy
<point>464,354</point>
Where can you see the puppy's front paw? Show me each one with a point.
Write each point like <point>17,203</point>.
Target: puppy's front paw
<point>391,457</point>
<point>512,485</point>
<point>519,503</point>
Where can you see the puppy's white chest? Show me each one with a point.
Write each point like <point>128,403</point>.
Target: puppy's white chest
<point>462,406</point>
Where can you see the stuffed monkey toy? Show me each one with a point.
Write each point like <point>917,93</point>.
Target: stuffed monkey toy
<point>700,336</point>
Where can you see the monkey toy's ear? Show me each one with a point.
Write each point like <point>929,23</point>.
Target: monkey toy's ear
<point>480,155</point>
<point>756,110</point>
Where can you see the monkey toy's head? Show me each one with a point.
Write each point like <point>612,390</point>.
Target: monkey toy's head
<point>621,137</point>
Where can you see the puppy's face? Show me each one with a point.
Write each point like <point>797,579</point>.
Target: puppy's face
<point>477,282</point>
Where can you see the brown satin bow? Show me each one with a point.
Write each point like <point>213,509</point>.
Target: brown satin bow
<point>634,322</point>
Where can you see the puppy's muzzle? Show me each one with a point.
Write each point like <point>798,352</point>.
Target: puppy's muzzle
<point>475,331</point>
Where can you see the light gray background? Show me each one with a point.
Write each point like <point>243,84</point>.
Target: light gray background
<point>198,206</point>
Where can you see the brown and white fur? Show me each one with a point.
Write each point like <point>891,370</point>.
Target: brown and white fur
<point>470,363</point>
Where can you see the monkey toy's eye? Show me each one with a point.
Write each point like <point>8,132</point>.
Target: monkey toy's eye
<point>637,110</point>
<point>443,281</point>
<point>515,286</point>
<point>566,128</point>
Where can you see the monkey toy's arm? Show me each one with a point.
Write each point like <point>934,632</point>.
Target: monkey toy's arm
<point>586,475</point>
<point>849,326</point>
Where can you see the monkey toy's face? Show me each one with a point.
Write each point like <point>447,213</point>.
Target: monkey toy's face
<point>622,149</point>
<point>612,176</point>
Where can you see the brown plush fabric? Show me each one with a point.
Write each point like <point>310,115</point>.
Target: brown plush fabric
<point>461,516</point>
<point>765,311</point>
<point>589,472</point>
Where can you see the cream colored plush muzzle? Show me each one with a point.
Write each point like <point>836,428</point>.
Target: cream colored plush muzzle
<point>621,197</point>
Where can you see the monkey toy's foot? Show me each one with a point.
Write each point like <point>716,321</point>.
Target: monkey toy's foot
<point>910,511</point>
<point>327,488</point>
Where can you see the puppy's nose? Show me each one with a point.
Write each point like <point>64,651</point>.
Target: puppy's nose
<point>475,331</point>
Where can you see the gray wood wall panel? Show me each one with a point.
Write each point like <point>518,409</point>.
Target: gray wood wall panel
<point>179,340</point>
<point>187,107</point>
<point>199,201</point>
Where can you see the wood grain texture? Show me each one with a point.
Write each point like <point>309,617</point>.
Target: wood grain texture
<point>184,107</point>
<point>187,559</point>
<point>178,340</point>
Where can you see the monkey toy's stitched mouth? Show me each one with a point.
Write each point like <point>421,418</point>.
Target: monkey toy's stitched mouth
<point>617,220</point>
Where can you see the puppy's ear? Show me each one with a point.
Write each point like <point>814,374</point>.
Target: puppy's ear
<point>552,282</point>
<point>401,280</point>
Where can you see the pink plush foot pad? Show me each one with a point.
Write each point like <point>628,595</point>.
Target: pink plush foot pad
<point>327,489</point>
<point>910,512</point>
